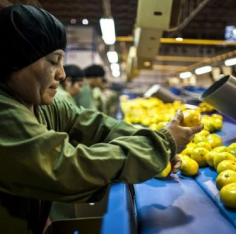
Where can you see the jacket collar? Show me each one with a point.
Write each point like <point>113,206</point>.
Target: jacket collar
<point>6,91</point>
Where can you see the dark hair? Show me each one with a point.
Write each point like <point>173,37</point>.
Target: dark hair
<point>94,71</point>
<point>104,80</point>
<point>74,72</point>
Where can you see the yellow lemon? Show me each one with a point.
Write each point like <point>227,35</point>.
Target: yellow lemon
<point>198,154</point>
<point>189,167</point>
<point>219,157</point>
<point>214,140</point>
<point>226,165</point>
<point>191,118</point>
<point>224,178</point>
<point>165,172</point>
<point>228,195</point>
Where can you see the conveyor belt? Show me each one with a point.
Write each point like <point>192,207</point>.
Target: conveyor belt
<point>168,206</point>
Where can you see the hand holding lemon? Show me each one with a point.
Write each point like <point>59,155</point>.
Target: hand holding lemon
<point>182,134</point>
<point>191,118</point>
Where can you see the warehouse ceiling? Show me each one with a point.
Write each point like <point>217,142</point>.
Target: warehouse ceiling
<point>208,22</point>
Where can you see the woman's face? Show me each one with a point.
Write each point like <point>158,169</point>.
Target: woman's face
<point>37,84</point>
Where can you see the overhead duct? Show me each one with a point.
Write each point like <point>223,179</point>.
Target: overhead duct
<point>154,14</point>
<point>131,68</point>
<point>147,42</point>
<point>153,17</point>
<point>161,14</point>
<point>143,63</point>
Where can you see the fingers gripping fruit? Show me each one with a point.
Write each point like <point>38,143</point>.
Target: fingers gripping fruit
<point>165,172</point>
<point>191,118</point>
<point>182,135</point>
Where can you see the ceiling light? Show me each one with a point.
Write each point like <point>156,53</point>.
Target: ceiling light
<point>230,62</point>
<point>203,70</point>
<point>73,21</point>
<point>179,39</point>
<point>112,56</point>
<point>184,75</point>
<point>108,30</point>
<point>147,64</point>
<point>234,31</point>
<point>115,67</point>
<point>85,21</point>
<point>132,52</point>
<point>116,73</point>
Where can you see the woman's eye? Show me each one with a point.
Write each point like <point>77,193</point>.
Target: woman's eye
<point>53,63</point>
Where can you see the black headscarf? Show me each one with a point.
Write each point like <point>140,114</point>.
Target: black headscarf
<point>27,34</point>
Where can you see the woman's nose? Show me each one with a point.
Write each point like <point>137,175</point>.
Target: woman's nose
<point>60,73</point>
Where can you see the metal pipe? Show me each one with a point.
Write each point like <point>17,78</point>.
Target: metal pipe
<point>189,18</point>
<point>5,3</point>
<point>185,41</point>
<point>107,8</point>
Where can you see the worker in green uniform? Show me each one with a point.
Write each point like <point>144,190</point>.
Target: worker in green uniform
<point>67,90</point>
<point>93,78</point>
<point>99,96</point>
<point>72,84</point>
<point>52,151</point>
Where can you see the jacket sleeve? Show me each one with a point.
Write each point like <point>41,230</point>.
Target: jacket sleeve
<point>42,163</point>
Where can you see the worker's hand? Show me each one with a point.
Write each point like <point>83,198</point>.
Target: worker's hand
<point>175,164</point>
<point>182,135</point>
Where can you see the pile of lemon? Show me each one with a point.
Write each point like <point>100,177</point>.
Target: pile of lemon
<point>205,108</point>
<point>207,150</point>
<point>152,112</point>
<point>155,114</point>
<point>212,123</point>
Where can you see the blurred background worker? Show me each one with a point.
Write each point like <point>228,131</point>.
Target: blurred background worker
<point>72,85</point>
<point>111,100</point>
<point>93,78</point>
<point>99,96</point>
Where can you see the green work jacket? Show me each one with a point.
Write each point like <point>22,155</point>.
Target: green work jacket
<point>68,154</point>
<point>64,95</point>
<point>85,97</point>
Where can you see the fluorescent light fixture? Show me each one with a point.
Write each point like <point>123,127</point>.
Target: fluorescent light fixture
<point>132,52</point>
<point>115,67</point>
<point>184,75</point>
<point>151,91</point>
<point>112,56</point>
<point>73,21</point>
<point>230,62</point>
<point>116,73</point>
<point>147,64</point>
<point>108,30</point>
<point>203,70</point>
<point>179,39</point>
<point>85,21</point>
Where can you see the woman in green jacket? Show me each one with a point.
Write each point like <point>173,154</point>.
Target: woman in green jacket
<point>52,151</point>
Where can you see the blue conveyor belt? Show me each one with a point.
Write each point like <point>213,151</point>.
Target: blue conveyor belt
<point>172,207</point>
<point>228,133</point>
